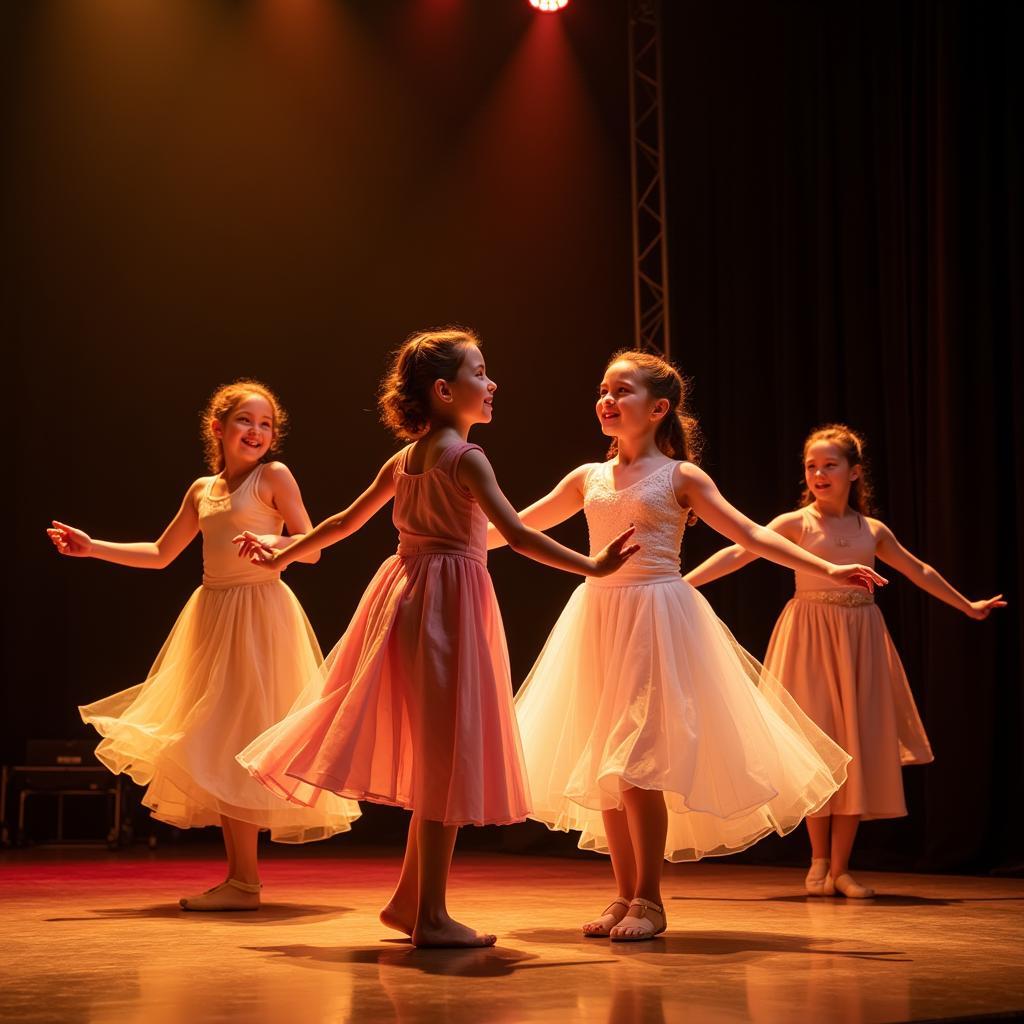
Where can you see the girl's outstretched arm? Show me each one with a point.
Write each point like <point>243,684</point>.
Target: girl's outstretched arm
<point>729,560</point>
<point>287,499</point>
<point>555,507</point>
<point>477,476</point>
<point>156,554</point>
<point>893,553</point>
<point>694,488</point>
<point>336,527</point>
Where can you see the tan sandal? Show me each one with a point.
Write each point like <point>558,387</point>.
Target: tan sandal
<point>229,895</point>
<point>641,921</point>
<point>602,931</point>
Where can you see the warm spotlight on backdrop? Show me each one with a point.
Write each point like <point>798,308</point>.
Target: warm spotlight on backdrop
<point>549,6</point>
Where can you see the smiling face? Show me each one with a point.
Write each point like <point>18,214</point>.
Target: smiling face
<point>247,431</point>
<point>625,407</point>
<point>469,398</point>
<point>828,472</point>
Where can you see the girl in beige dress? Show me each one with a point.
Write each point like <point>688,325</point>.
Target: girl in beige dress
<point>240,655</point>
<point>832,651</point>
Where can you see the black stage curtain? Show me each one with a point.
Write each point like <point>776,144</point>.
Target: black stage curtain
<point>196,191</point>
<point>846,244</point>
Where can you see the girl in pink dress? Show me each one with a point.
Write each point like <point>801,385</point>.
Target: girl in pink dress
<point>644,724</point>
<point>832,652</point>
<point>416,708</point>
<point>236,661</point>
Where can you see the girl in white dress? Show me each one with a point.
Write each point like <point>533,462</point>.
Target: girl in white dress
<point>645,726</point>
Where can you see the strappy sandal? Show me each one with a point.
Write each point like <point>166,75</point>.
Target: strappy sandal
<point>229,895</point>
<point>643,922</point>
<point>602,933</point>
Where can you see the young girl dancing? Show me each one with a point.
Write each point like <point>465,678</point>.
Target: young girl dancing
<point>644,724</point>
<point>832,652</point>
<point>416,708</point>
<point>236,660</point>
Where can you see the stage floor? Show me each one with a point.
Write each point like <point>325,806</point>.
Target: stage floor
<point>97,937</point>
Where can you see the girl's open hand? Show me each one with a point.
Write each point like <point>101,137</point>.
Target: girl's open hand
<point>857,576</point>
<point>980,609</point>
<point>251,543</point>
<point>260,553</point>
<point>69,541</point>
<point>615,555</point>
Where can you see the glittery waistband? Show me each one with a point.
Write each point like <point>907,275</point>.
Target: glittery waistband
<point>847,598</point>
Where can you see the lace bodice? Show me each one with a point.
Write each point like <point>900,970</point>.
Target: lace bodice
<point>650,505</point>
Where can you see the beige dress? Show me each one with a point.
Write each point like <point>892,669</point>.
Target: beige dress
<point>241,654</point>
<point>831,650</point>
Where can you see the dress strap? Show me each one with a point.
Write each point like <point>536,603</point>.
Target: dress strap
<point>806,523</point>
<point>458,450</point>
<point>594,468</point>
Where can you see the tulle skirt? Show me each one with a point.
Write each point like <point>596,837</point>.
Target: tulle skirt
<point>416,708</point>
<point>840,665</point>
<point>237,660</point>
<point>640,684</point>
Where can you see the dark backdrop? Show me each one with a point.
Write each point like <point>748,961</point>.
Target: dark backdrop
<point>202,190</point>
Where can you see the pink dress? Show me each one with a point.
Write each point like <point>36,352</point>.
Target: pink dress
<point>416,706</point>
<point>237,660</point>
<point>640,684</point>
<point>832,652</point>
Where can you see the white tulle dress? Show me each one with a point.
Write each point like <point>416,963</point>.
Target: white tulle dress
<point>241,654</point>
<point>640,684</point>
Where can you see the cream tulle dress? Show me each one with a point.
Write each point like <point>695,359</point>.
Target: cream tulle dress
<point>639,684</point>
<point>241,654</point>
<point>832,652</point>
<point>416,708</point>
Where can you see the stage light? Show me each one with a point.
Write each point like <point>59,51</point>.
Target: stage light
<point>548,6</point>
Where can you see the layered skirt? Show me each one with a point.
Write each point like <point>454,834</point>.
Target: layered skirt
<point>238,659</point>
<point>640,684</point>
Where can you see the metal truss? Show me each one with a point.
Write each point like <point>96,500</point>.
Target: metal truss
<point>647,167</point>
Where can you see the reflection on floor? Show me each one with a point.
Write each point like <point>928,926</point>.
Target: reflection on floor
<point>97,937</point>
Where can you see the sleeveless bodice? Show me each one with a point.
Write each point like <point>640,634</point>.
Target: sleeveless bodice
<point>844,550</point>
<point>650,505</point>
<point>433,513</point>
<point>226,516</point>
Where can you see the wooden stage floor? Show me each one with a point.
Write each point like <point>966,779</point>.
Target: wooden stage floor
<point>96,938</point>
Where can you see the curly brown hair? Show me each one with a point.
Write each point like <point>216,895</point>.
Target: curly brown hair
<point>852,445</point>
<point>679,435</point>
<point>223,403</point>
<point>425,357</point>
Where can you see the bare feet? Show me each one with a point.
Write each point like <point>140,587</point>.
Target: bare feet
<point>444,933</point>
<point>645,920</point>
<point>848,886</point>
<point>398,917</point>
<point>229,895</point>
<point>601,926</point>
